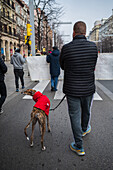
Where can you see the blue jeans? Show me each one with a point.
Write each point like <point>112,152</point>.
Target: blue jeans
<point>54,81</point>
<point>79,112</point>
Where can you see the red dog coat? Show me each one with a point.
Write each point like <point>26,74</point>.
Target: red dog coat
<point>42,102</point>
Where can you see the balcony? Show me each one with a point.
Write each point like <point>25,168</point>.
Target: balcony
<point>5,31</point>
<point>7,2</point>
<point>7,17</point>
<point>10,32</point>
<point>2,14</point>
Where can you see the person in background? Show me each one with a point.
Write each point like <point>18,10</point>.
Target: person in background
<point>18,61</point>
<point>3,91</point>
<point>38,53</point>
<point>49,51</point>
<point>53,59</point>
<point>3,57</point>
<point>78,60</point>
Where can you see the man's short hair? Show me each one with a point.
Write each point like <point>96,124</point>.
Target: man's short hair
<point>80,27</point>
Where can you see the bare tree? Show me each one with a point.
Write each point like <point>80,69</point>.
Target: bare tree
<point>48,12</point>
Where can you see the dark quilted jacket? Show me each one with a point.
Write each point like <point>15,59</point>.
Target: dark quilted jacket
<point>78,59</point>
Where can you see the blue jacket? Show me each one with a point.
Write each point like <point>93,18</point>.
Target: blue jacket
<point>53,59</point>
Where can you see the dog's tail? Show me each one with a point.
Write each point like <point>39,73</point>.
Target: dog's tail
<point>25,132</point>
<point>58,104</point>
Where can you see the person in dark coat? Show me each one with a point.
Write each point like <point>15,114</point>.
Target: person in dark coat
<point>3,57</point>
<point>3,92</point>
<point>78,60</point>
<point>53,59</point>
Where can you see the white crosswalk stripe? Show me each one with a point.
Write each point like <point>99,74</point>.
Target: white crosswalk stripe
<point>58,94</point>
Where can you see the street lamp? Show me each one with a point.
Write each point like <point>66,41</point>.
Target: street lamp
<point>57,23</point>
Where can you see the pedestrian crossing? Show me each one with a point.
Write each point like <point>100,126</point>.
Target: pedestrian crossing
<point>58,94</point>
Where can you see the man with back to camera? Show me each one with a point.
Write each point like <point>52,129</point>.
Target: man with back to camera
<point>53,59</point>
<point>78,60</point>
<point>18,61</point>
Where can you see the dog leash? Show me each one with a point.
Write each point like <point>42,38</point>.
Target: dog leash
<point>58,104</point>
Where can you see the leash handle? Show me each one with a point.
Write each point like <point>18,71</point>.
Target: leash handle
<point>58,104</point>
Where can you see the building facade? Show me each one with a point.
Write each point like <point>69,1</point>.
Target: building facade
<point>102,34</point>
<point>14,16</point>
<point>94,34</point>
<point>13,19</point>
<point>106,35</point>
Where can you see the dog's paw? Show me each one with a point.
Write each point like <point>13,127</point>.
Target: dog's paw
<point>44,148</point>
<point>49,130</point>
<point>31,144</point>
<point>27,138</point>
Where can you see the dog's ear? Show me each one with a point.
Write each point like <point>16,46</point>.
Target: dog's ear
<point>33,92</point>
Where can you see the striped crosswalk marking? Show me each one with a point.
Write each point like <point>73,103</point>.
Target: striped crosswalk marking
<point>39,87</point>
<point>59,94</point>
<point>97,97</point>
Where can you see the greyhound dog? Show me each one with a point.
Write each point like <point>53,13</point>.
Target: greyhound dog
<point>39,113</point>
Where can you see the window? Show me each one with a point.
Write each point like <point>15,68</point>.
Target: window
<point>4,12</point>
<point>13,6</point>
<point>8,14</point>
<point>0,26</point>
<point>13,17</point>
<point>14,31</point>
<point>10,32</point>
<point>5,28</point>
<point>8,1</point>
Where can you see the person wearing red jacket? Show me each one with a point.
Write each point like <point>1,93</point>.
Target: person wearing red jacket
<point>42,102</point>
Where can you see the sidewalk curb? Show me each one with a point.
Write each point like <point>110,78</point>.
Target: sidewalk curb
<point>105,90</point>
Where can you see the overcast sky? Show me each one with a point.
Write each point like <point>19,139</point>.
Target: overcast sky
<point>85,10</point>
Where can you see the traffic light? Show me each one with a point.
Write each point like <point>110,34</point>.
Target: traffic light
<point>30,42</point>
<point>29,30</point>
<point>25,39</point>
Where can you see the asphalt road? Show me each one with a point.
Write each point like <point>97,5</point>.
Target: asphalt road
<point>16,154</point>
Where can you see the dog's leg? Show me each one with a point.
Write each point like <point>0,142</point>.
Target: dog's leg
<point>40,127</point>
<point>42,136</point>
<point>48,125</point>
<point>33,126</point>
<point>25,132</point>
